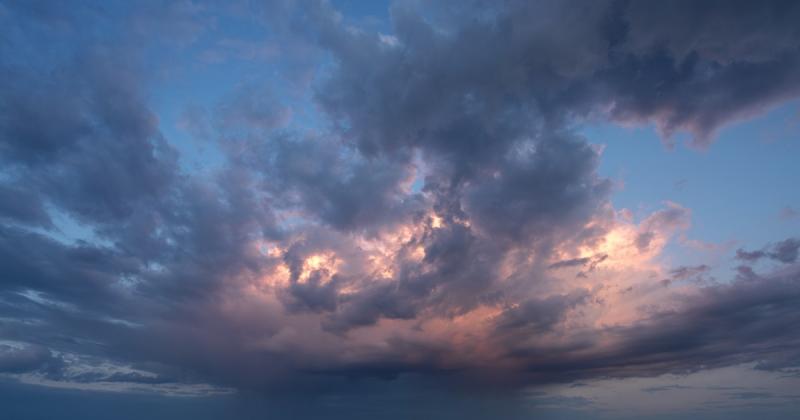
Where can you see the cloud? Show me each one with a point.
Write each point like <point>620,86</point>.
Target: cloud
<point>538,315</point>
<point>686,272</point>
<point>788,213</point>
<point>431,225</point>
<point>672,217</point>
<point>691,66</point>
<point>663,388</point>
<point>17,205</point>
<point>629,61</point>
<point>785,251</point>
<point>26,358</point>
<point>574,262</point>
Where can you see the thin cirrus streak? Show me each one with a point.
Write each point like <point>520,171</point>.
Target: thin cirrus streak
<point>300,198</point>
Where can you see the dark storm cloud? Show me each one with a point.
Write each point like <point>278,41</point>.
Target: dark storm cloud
<point>699,95</point>
<point>477,109</point>
<point>697,65</point>
<point>700,65</point>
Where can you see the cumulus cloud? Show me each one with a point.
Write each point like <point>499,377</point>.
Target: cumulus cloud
<point>445,220</point>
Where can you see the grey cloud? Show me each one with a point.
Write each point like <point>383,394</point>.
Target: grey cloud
<point>695,69</point>
<point>575,262</point>
<point>487,102</point>
<point>313,294</point>
<point>749,255</point>
<point>686,272</point>
<point>673,217</point>
<point>725,324</point>
<point>591,262</point>
<point>785,251</point>
<point>367,307</point>
<point>127,377</point>
<point>37,124</point>
<point>21,206</point>
<point>92,150</point>
<point>486,135</point>
<point>697,65</point>
<point>538,315</point>
<point>322,178</point>
<point>663,388</point>
<point>79,274</point>
<point>26,359</point>
<point>85,140</point>
<point>698,96</point>
<point>643,240</point>
<point>532,197</point>
<point>455,276</point>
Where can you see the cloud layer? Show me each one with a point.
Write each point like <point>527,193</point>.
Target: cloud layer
<point>444,219</point>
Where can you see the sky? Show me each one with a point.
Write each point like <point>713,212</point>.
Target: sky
<point>399,209</point>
